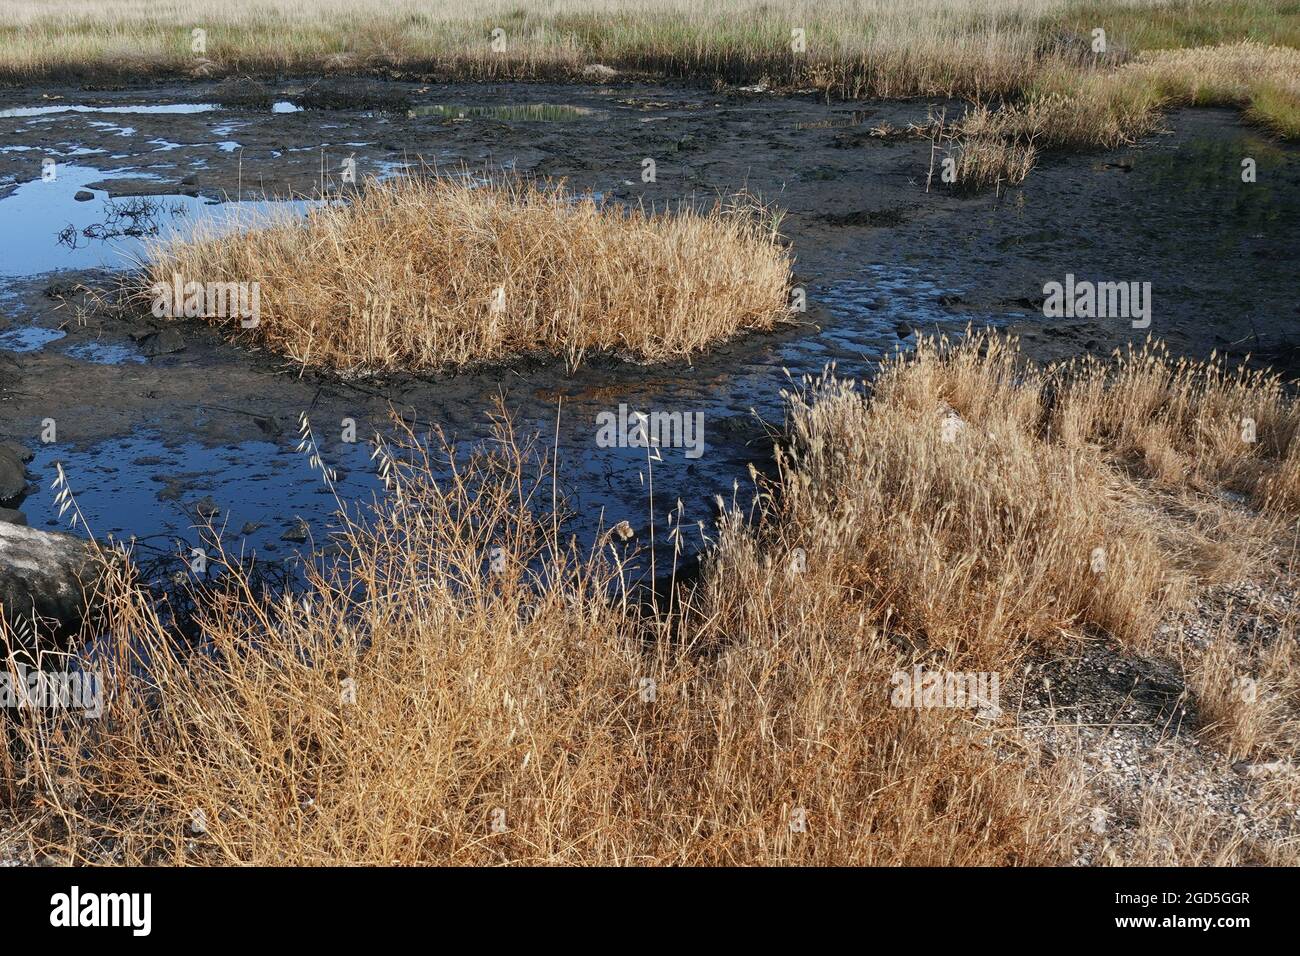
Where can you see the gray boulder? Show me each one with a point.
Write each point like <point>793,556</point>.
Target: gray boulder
<point>13,476</point>
<point>46,574</point>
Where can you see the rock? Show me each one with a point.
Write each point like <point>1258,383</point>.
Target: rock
<point>60,290</point>
<point>46,574</point>
<point>24,454</point>
<point>13,476</point>
<point>84,195</point>
<point>11,516</point>
<point>951,424</point>
<point>161,342</point>
<point>1259,768</point>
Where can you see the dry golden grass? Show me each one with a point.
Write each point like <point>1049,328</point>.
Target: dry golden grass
<point>977,533</point>
<point>1247,685</point>
<point>1188,424</point>
<point>1029,67</point>
<point>423,272</point>
<point>856,47</point>
<point>478,692</point>
<point>973,48</point>
<point>1067,106</point>
<point>422,703</point>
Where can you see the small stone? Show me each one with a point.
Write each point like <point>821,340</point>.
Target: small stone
<point>12,516</point>
<point>1256,769</point>
<point>84,195</point>
<point>13,476</point>
<point>161,342</point>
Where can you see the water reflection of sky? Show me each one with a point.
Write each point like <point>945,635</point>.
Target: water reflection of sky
<point>36,213</point>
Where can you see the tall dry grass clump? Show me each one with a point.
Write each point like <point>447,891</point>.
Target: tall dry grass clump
<point>938,491</point>
<point>1188,424</point>
<point>425,272</point>
<point>465,686</point>
<point>1073,106</point>
<point>435,700</point>
<point>1264,79</point>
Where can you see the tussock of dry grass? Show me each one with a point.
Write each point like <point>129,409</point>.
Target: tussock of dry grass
<point>948,516</point>
<point>1073,107</point>
<point>419,273</point>
<point>1185,423</point>
<point>977,532</point>
<point>1082,106</point>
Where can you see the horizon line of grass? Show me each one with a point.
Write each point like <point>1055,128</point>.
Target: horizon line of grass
<point>1030,68</point>
<point>852,49</point>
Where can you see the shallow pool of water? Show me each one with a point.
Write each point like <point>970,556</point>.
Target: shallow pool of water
<point>164,494</point>
<point>29,338</point>
<point>44,227</point>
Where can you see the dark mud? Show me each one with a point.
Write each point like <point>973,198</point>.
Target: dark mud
<point>159,427</point>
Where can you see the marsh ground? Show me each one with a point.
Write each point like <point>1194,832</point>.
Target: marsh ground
<point>160,427</point>
<point>878,255</point>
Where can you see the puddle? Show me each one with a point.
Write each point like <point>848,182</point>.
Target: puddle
<point>101,354</point>
<point>44,228</point>
<point>78,151</point>
<point>255,492</point>
<point>26,111</point>
<point>29,339</point>
<point>875,312</point>
<point>528,112</point>
<point>113,128</point>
